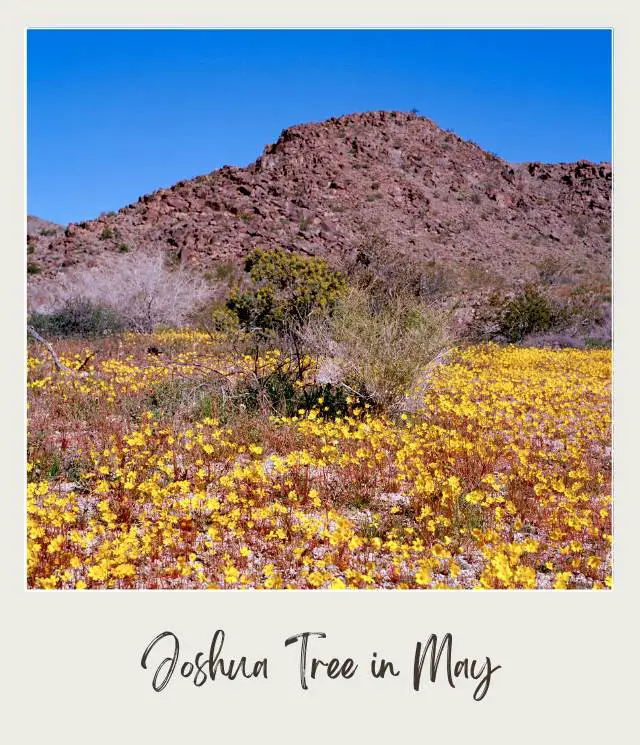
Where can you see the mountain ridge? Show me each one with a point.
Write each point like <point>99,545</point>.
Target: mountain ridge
<point>323,188</point>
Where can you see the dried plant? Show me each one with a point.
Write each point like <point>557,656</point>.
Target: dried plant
<point>141,287</point>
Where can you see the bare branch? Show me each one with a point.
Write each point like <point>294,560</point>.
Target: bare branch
<point>56,360</point>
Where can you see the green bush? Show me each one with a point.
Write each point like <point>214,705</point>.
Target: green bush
<point>78,317</point>
<point>223,320</point>
<point>528,312</point>
<point>582,311</point>
<point>285,290</point>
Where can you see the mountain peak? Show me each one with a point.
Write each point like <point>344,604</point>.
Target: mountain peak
<point>322,188</point>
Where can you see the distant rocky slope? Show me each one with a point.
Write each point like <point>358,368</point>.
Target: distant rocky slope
<point>323,188</point>
<point>41,231</point>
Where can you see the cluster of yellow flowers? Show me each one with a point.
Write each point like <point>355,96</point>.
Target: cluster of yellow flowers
<point>500,479</point>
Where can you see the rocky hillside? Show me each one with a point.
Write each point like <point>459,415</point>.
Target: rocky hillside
<point>323,188</point>
<point>41,231</point>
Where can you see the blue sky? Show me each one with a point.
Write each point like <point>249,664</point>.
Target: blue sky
<point>112,115</point>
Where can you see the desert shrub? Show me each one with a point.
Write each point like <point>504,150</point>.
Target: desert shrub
<point>213,316</point>
<point>285,289</point>
<point>106,233</point>
<point>528,312</point>
<point>379,352</point>
<point>78,317</point>
<point>139,287</point>
<point>222,320</point>
<point>33,268</point>
<point>544,318</point>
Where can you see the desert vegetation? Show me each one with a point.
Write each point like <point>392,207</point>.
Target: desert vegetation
<point>300,423</point>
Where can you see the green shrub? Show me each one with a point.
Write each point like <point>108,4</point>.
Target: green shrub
<point>106,233</point>
<point>528,312</point>
<point>33,268</point>
<point>223,320</point>
<point>285,290</point>
<point>582,311</point>
<point>78,317</point>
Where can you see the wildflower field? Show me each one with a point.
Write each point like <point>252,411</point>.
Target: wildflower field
<point>139,477</point>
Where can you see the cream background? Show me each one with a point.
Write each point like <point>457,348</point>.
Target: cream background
<point>70,662</point>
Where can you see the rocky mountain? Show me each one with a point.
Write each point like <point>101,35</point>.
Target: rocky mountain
<point>323,188</point>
